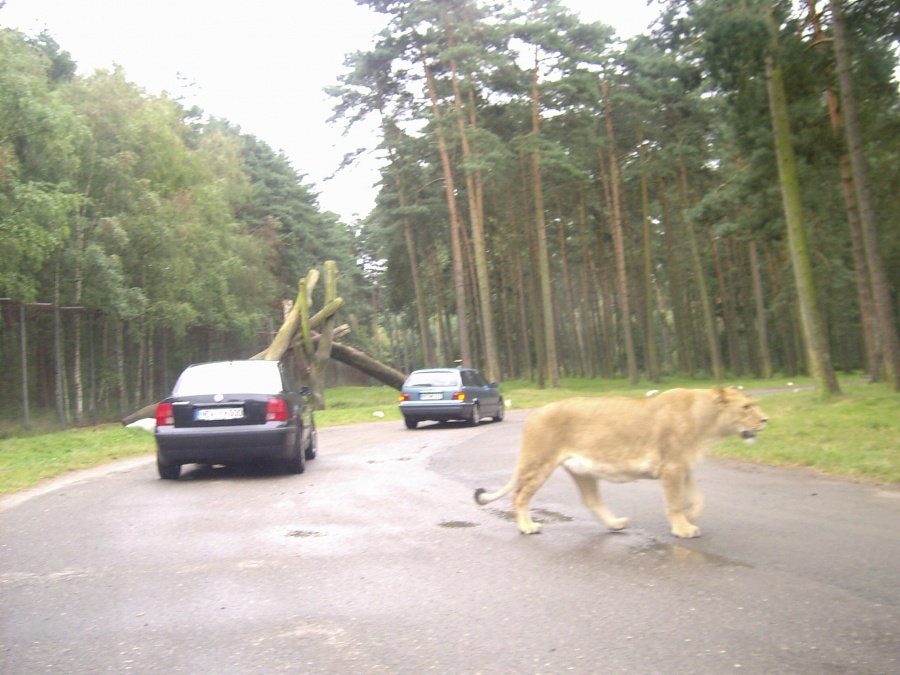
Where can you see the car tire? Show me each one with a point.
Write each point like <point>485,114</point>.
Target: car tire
<point>166,470</point>
<point>476,416</point>
<point>501,411</point>
<point>410,423</point>
<point>313,448</point>
<point>297,463</point>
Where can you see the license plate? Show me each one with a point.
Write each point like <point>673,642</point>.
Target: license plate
<point>217,414</point>
<point>431,397</point>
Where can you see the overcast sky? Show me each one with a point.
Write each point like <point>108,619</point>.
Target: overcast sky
<point>261,65</point>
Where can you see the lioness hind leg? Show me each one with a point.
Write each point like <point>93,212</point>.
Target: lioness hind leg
<point>530,480</point>
<point>590,494</point>
<point>676,487</point>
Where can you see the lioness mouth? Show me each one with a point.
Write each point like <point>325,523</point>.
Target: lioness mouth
<point>749,436</point>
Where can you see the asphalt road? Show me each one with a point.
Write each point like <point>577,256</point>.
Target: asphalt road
<point>377,559</point>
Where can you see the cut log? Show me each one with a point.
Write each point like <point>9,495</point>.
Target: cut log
<point>366,364</point>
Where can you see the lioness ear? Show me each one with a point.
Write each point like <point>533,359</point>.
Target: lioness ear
<point>720,394</point>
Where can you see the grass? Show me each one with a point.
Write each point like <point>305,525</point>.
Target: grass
<point>855,436</point>
<point>26,461</point>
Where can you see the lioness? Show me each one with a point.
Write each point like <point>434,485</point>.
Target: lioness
<point>622,439</point>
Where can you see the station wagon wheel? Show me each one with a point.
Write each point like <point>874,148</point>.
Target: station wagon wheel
<point>476,415</point>
<point>167,471</point>
<point>501,411</point>
<point>410,423</point>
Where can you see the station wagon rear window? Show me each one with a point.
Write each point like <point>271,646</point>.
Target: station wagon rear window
<point>436,379</point>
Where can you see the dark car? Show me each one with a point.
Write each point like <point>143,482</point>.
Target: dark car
<point>230,412</point>
<point>444,394</point>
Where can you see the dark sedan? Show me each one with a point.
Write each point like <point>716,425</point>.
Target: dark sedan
<point>444,394</point>
<point>230,412</point>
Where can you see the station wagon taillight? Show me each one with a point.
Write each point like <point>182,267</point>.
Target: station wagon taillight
<point>459,396</point>
<point>276,410</point>
<point>404,397</point>
<point>165,417</point>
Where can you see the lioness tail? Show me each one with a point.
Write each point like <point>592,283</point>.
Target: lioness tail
<point>483,497</point>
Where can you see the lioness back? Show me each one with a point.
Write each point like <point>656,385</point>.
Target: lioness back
<point>615,427</point>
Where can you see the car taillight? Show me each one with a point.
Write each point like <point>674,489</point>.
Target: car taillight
<point>276,410</point>
<point>165,417</point>
<point>404,397</point>
<point>459,396</point>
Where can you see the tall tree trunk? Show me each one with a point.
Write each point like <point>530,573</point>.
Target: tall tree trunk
<point>680,309</point>
<point>540,227</point>
<point>442,324</point>
<point>574,322</point>
<point>590,294</point>
<point>476,216</point>
<point>652,360</point>
<point>868,314</point>
<point>619,243</point>
<point>765,358</point>
<point>459,280</point>
<point>421,310</point>
<point>820,364</point>
<point>79,284</point>
<point>728,312</point>
<point>887,326</point>
<point>521,245</point>
<point>709,317</point>
<point>608,314</point>
<point>412,253</point>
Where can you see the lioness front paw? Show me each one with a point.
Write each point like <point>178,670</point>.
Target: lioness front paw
<point>686,531</point>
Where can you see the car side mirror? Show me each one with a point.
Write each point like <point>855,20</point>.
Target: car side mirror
<point>494,385</point>
<point>305,391</point>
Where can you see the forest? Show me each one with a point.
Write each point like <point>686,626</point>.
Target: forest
<point>716,198</point>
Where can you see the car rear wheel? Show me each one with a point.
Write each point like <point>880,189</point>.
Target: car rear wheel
<point>313,448</point>
<point>297,463</point>
<point>410,423</point>
<point>501,411</point>
<point>166,470</point>
<point>476,415</point>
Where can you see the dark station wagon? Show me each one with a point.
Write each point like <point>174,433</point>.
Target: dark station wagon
<point>230,412</point>
<point>445,394</point>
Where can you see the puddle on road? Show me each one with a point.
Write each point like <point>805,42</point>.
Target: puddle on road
<point>305,533</point>
<point>657,549</point>
<point>455,524</point>
<point>632,542</point>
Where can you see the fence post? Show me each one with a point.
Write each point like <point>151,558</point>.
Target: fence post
<point>22,335</point>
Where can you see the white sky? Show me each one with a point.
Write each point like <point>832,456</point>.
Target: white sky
<point>262,65</point>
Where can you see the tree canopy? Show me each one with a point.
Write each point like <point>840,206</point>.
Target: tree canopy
<point>714,198</point>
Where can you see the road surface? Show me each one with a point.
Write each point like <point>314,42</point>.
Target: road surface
<point>378,560</point>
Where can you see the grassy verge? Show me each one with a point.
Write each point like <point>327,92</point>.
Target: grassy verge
<point>856,435</point>
<point>26,461</point>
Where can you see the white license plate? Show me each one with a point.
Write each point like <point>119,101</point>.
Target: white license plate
<point>431,397</point>
<point>216,414</point>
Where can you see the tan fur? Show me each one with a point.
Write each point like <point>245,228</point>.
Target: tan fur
<point>622,439</point>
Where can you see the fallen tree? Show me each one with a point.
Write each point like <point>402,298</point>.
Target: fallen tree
<point>298,343</point>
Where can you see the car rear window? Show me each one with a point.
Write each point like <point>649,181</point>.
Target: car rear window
<point>433,379</point>
<point>235,377</point>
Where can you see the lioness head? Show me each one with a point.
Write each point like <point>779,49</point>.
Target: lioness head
<point>741,413</point>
